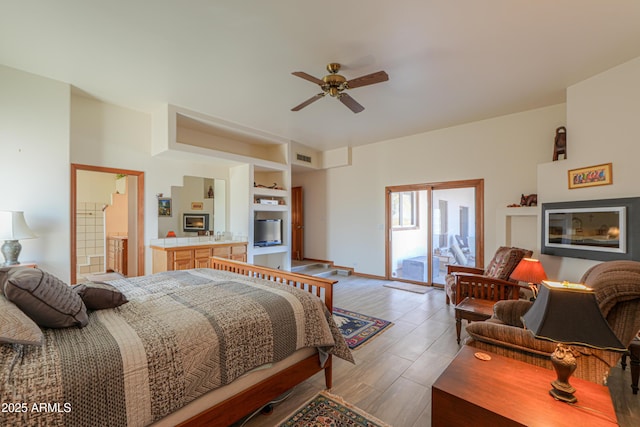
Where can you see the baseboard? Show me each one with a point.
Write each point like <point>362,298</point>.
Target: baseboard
<point>369,276</point>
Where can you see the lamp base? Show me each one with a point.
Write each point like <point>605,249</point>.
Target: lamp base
<point>564,362</point>
<point>11,249</point>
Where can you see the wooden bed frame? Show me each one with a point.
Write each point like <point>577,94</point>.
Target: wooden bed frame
<point>258,395</point>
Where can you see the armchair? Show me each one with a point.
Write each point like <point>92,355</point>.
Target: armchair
<point>617,288</point>
<point>497,274</point>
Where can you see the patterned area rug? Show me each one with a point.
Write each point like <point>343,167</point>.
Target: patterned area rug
<point>328,410</point>
<point>357,328</point>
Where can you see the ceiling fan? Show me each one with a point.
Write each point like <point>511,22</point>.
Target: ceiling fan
<point>334,84</point>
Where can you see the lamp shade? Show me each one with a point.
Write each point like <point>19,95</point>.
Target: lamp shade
<point>569,314</point>
<point>14,227</point>
<point>529,270</point>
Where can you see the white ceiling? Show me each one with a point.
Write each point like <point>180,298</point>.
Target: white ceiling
<point>449,61</point>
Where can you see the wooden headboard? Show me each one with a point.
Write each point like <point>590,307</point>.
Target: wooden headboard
<point>319,286</point>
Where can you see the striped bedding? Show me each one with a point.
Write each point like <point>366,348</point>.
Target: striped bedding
<point>182,334</point>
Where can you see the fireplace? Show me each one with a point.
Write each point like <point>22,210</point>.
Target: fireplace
<point>601,230</point>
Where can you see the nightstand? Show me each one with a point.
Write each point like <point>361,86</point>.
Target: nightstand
<point>27,264</point>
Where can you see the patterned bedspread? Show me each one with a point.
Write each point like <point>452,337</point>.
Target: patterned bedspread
<point>181,334</point>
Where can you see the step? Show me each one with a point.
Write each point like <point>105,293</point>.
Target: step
<point>320,270</point>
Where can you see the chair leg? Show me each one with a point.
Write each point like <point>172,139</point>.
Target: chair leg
<point>635,366</point>
<point>458,328</point>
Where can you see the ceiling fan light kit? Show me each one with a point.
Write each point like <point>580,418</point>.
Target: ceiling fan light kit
<point>335,84</point>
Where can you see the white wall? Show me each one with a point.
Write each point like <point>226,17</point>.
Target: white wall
<point>34,171</point>
<point>347,203</point>
<point>603,126</point>
<point>111,136</point>
<point>344,205</point>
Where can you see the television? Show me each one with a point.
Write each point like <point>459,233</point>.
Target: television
<point>195,222</point>
<point>267,232</point>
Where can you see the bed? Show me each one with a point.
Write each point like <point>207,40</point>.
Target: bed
<point>194,347</point>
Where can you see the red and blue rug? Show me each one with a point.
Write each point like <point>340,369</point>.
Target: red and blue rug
<point>328,410</point>
<point>357,328</point>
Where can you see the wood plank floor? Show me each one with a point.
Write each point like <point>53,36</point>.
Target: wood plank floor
<point>393,375</point>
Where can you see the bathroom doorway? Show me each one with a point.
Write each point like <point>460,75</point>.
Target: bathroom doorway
<point>107,221</point>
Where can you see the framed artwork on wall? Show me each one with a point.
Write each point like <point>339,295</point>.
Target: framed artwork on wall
<point>591,176</point>
<point>164,206</point>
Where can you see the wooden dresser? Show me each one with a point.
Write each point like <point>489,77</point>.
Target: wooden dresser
<point>196,256</point>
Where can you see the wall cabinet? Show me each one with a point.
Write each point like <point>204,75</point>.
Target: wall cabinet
<point>117,254</point>
<point>186,257</point>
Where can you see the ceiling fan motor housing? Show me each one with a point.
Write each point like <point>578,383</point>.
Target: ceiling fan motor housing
<point>334,84</point>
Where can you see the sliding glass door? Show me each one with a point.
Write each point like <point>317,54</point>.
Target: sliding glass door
<point>431,226</point>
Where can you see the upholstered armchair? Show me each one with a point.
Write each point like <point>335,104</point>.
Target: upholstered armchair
<point>497,272</point>
<point>617,288</point>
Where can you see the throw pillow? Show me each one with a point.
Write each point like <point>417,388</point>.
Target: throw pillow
<point>4,272</point>
<point>44,298</point>
<point>16,327</point>
<point>98,296</point>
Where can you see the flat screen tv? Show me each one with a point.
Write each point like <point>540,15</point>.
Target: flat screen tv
<point>267,232</point>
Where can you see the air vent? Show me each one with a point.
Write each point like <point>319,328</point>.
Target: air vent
<point>303,158</point>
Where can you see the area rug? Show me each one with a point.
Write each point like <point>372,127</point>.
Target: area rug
<point>328,410</point>
<point>418,289</point>
<point>357,328</point>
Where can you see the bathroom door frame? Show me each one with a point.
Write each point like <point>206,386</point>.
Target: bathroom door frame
<point>75,167</point>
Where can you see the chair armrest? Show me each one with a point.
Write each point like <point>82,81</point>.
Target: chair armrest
<point>510,337</point>
<point>510,311</point>
<point>484,287</point>
<point>451,269</point>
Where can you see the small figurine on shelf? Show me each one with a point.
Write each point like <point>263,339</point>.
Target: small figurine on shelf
<point>210,192</point>
<point>529,200</point>
<point>560,143</point>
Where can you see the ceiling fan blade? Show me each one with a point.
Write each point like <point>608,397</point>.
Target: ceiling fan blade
<point>350,103</point>
<point>307,102</point>
<point>369,79</point>
<point>309,77</point>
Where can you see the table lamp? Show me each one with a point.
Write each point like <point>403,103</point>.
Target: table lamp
<point>531,271</point>
<point>568,313</point>
<point>13,227</point>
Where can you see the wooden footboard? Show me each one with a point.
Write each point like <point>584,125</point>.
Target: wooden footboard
<point>319,286</point>
<point>258,395</point>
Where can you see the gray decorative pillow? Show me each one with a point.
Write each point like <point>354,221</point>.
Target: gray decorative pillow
<point>16,327</point>
<point>98,296</point>
<point>44,298</point>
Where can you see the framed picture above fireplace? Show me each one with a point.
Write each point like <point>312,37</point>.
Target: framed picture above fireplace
<point>592,229</point>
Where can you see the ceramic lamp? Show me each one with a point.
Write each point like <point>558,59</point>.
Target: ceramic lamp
<point>13,228</point>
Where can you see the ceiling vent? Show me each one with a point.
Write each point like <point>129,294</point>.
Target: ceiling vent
<point>303,158</point>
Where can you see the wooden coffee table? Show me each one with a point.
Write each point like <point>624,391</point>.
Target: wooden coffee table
<point>507,392</point>
<point>472,310</point>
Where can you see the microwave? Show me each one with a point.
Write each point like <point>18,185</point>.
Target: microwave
<point>195,222</point>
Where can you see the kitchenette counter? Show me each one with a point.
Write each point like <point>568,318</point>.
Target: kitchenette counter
<point>180,253</point>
